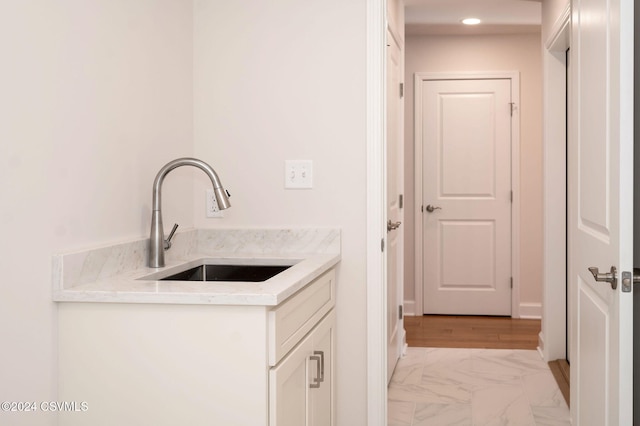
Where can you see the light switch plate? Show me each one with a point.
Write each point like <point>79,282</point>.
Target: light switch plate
<point>298,174</point>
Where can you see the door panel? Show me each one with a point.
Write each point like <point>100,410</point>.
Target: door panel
<point>476,155</point>
<point>593,366</point>
<point>600,210</point>
<point>289,387</point>
<point>466,139</point>
<point>470,265</point>
<point>321,399</point>
<point>395,184</point>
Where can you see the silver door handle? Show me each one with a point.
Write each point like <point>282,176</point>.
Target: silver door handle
<point>431,208</point>
<point>607,277</point>
<point>393,225</point>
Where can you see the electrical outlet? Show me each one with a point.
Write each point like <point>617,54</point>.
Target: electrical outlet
<point>298,174</point>
<point>212,205</point>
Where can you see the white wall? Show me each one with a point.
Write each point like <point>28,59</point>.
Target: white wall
<point>517,52</point>
<point>286,80</point>
<point>95,97</point>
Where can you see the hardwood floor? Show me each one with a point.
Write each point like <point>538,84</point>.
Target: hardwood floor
<point>560,370</point>
<point>452,331</point>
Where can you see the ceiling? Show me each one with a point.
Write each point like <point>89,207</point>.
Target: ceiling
<point>498,16</point>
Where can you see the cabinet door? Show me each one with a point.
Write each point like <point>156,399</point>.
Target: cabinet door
<point>289,387</point>
<point>321,399</point>
<point>301,385</point>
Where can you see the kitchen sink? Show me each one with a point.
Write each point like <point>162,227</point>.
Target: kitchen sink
<point>229,269</point>
<point>250,273</point>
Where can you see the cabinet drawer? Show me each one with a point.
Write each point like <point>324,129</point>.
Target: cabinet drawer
<point>294,318</point>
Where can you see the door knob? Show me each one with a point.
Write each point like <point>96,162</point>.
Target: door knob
<point>393,225</point>
<point>431,208</point>
<point>608,277</point>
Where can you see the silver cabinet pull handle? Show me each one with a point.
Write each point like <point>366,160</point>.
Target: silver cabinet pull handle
<point>393,225</point>
<point>607,277</point>
<point>316,380</point>
<point>321,353</point>
<point>431,208</point>
<point>319,357</point>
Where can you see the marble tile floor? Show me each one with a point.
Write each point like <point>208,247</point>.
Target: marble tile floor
<point>474,387</point>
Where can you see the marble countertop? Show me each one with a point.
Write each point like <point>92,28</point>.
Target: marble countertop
<point>117,273</point>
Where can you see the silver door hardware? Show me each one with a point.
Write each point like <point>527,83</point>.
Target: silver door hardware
<point>393,225</point>
<point>628,279</point>
<point>608,277</point>
<point>319,357</point>
<point>431,208</point>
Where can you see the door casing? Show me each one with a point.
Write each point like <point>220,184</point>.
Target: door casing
<point>553,336</point>
<point>514,76</point>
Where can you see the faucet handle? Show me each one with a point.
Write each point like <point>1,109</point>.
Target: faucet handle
<point>167,242</point>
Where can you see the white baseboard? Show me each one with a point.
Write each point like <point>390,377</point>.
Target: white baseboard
<point>530,310</point>
<point>527,310</point>
<point>410,308</point>
<point>541,345</point>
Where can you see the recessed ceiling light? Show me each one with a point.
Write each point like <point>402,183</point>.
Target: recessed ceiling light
<point>471,21</point>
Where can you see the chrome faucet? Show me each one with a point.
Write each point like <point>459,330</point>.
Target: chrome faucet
<point>157,243</point>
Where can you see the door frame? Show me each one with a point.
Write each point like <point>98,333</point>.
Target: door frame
<point>553,333</point>
<point>376,267</point>
<point>517,311</point>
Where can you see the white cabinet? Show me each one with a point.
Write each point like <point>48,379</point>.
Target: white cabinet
<point>301,352</point>
<point>168,364</point>
<point>301,385</point>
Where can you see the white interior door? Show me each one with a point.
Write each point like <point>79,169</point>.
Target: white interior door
<point>466,203</point>
<point>395,183</point>
<point>601,211</point>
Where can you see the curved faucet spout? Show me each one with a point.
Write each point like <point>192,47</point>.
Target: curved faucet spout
<point>156,239</point>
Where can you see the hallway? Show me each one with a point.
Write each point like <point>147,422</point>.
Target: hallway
<point>470,370</point>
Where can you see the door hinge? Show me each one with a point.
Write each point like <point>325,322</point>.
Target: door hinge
<point>382,245</point>
<point>400,313</point>
<point>400,201</point>
<point>513,107</point>
<point>511,283</point>
<point>402,90</point>
<point>512,196</point>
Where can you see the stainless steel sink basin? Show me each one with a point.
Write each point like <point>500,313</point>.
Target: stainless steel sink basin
<point>246,270</point>
<point>250,273</point>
